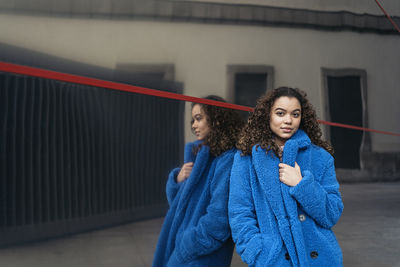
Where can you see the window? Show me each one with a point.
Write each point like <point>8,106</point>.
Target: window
<point>246,83</point>
<point>345,102</point>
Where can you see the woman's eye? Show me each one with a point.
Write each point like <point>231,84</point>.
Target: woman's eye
<point>279,113</point>
<point>296,115</point>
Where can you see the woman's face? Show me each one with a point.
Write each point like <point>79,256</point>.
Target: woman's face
<point>285,118</point>
<point>200,124</point>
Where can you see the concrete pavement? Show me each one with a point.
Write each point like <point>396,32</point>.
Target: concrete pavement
<point>368,232</point>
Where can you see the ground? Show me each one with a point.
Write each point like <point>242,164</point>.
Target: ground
<point>368,233</point>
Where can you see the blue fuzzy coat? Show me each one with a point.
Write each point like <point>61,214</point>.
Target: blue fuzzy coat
<point>196,228</point>
<point>277,225</point>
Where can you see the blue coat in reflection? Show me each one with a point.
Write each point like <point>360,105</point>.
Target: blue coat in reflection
<point>277,225</point>
<point>196,229</point>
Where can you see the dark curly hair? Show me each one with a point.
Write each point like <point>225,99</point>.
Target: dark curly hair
<point>258,131</point>
<point>225,125</point>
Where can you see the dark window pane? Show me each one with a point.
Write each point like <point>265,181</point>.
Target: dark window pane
<point>345,106</point>
<point>249,87</point>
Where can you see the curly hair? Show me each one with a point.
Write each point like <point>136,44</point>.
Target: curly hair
<point>225,125</point>
<point>258,131</point>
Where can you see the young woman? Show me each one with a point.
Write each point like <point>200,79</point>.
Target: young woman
<point>196,228</point>
<point>284,196</point>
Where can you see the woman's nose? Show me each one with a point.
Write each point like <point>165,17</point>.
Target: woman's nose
<point>288,119</point>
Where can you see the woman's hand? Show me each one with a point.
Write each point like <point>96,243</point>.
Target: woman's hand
<point>289,175</point>
<point>185,172</point>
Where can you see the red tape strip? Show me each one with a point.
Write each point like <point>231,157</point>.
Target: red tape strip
<point>387,15</point>
<point>47,74</point>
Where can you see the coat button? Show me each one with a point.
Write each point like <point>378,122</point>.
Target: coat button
<point>287,257</point>
<point>314,254</point>
<point>302,217</point>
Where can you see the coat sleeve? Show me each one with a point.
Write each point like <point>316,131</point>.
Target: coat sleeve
<point>172,186</point>
<point>213,228</point>
<point>320,199</point>
<point>242,216</point>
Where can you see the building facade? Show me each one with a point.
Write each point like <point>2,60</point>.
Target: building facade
<point>344,54</point>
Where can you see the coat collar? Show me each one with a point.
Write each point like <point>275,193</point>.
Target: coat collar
<point>189,156</point>
<point>298,141</point>
<point>267,169</point>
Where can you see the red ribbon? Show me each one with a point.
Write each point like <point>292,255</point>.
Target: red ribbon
<point>387,15</point>
<point>53,75</point>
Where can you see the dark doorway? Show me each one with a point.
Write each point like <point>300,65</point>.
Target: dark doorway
<point>248,88</point>
<point>345,106</point>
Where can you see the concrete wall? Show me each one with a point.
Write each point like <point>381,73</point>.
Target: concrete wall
<point>201,53</point>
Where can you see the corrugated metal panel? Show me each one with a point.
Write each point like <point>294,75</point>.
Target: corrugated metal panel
<point>71,153</point>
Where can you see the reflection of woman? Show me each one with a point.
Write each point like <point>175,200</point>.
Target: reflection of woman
<point>284,196</point>
<point>196,229</point>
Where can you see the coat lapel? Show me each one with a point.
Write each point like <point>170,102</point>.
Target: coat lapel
<point>293,147</point>
<point>291,154</point>
<point>200,164</point>
<point>289,157</point>
<point>282,203</point>
<point>174,219</point>
<point>266,167</point>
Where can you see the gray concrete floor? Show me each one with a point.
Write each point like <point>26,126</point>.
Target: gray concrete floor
<point>368,232</point>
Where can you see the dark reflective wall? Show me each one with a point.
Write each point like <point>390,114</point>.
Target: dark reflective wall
<point>75,158</point>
